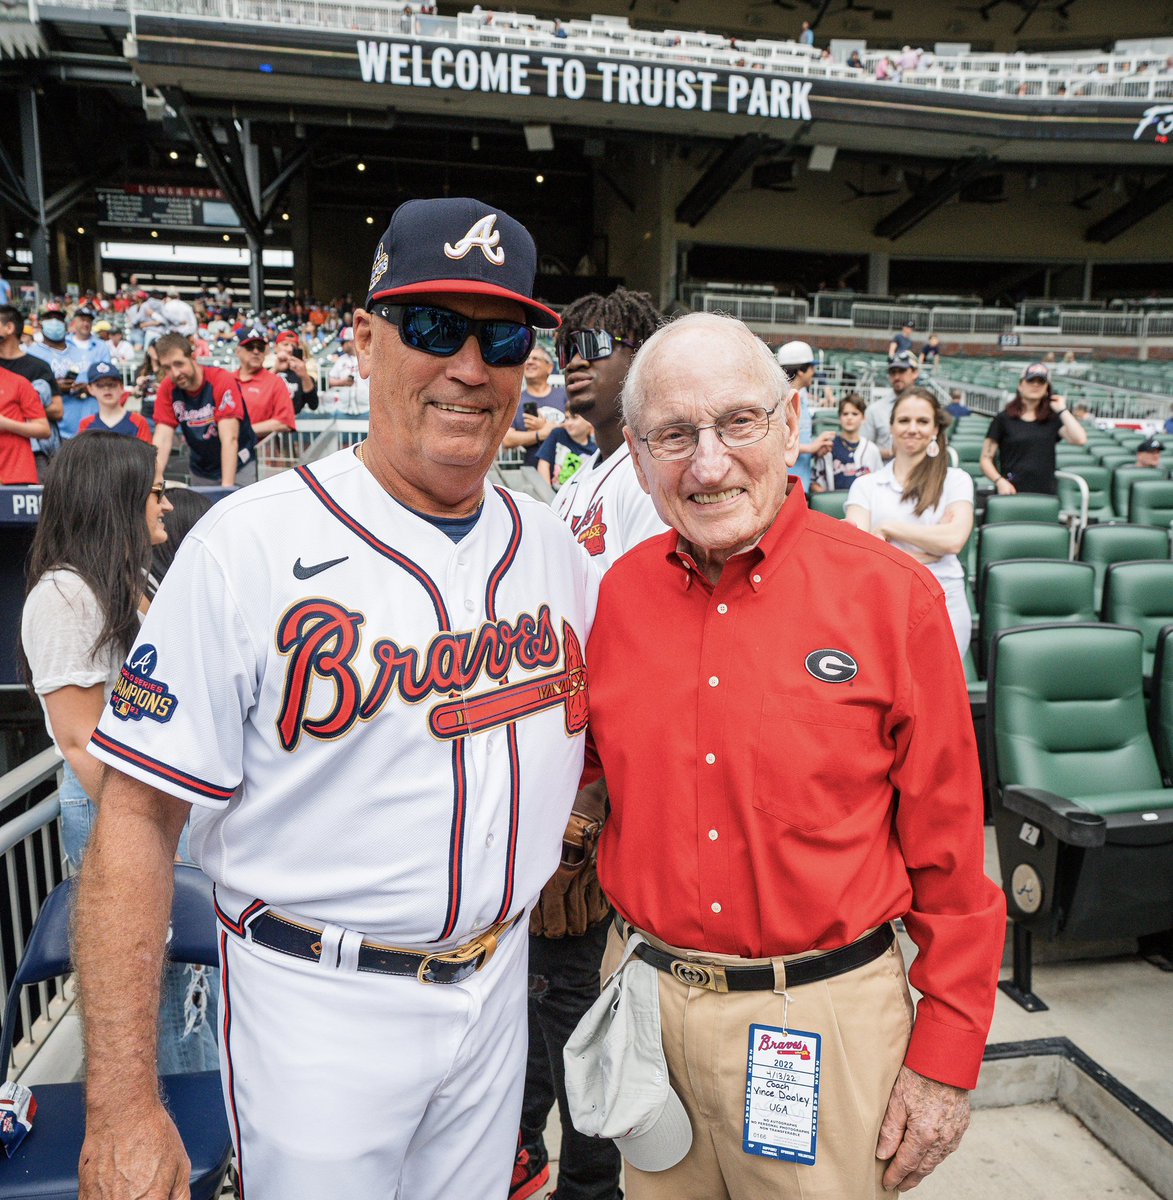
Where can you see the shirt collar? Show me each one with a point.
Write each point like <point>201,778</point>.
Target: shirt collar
<point>758,565</point>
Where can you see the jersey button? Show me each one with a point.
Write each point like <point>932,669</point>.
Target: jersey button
<point>490,840</point>
<point>716,906</point>
<point>722,608</point>
<point>712,835</point>
<point>469,605</point>
<point>757,579</point>
<point>710,759</point>
<point>713,681</point>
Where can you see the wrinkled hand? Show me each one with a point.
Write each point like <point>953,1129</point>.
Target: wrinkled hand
<point>922,1127</point>
<point>134,1156</point>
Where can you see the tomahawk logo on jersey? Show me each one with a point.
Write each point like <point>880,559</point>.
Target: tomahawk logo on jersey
<point>449,675</point>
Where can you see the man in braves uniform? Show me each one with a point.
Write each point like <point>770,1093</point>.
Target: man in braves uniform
<point>205,403</point>
<point>787,778</point>
<point>603,503</point>
<point>266,398</point>
<point>378,722</point>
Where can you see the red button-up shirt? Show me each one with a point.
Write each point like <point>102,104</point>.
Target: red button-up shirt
<point>765,799</point>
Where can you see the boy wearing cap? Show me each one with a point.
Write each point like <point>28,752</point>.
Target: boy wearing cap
<point>380,705</point>
<point>1148,453</point>
<point>104,383</point>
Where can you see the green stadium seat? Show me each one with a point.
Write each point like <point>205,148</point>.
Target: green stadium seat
<point>1033,591</point>
<point>1099,485</point>
<point>1084,825</point>
<point>1019,539</point>
<point>826,420</point>
<point>831,503</point>
<point>1140,594</point>
<point>1103,545</point>
<point>1161,704</point>
<point>1115,458</point>
<point>967,451</point>
<point>1024,506</point>
<point>1125,476</point>
<point>1065,453</point>
<point>1150,502</point>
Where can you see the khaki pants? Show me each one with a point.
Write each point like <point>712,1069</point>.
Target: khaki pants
<point>864,1017</point>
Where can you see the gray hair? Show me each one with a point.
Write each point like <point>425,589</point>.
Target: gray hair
<point>759,364</point>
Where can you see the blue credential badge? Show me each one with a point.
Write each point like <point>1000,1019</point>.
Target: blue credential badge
<point>137,693</point>
<point>782,1094</point>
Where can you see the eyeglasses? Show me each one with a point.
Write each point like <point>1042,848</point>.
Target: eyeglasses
<point>589,344</point>
<point>442,332</point>
<point>741,427</point>
<point>159,490</point>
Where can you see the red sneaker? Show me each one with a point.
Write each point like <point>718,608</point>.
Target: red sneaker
<point>530,1173</point>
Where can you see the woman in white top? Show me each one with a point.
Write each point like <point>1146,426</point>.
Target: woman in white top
<point>101,515</point>
<point>919,503</point>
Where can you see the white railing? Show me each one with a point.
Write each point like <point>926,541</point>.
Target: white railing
<point>888,316</point>
<point>970,320</point>
<point>1051,77</point>
<point>758,310</point>
<point>31,865</point>
<point>1078,324</point>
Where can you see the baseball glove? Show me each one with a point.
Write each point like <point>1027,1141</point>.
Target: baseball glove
<point>572,900</point>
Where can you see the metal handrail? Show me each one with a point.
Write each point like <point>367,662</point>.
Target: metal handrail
<point>1039,77</point>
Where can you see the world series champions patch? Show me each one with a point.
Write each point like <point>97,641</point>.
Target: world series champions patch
<point>137,693</point>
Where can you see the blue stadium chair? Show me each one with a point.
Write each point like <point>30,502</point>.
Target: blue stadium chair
<point>1083,823</point>
<point>44,1166</point>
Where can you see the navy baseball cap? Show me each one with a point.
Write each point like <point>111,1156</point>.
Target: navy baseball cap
<point>459,246</point>
<point>1151,445</point>
<point>103,370</point>
<point>256,333</point>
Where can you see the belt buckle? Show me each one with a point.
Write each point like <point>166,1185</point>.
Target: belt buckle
<point>705,975</point>
<point>466,960</point>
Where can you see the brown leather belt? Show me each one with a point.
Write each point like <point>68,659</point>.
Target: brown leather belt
<point>718,977</point>
<point>445,966</point>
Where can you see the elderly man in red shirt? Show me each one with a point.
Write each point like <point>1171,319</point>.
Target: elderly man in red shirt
<point>787,778</point>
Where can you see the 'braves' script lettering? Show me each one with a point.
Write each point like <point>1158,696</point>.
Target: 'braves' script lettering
<point>321,640</point>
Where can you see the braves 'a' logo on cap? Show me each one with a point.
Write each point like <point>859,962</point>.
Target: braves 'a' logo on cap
<point>379,267</point>
<point>483,236</point>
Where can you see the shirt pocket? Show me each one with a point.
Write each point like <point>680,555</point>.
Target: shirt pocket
<point>808,754</point>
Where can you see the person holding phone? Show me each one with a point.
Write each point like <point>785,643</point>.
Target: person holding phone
<point>531,426</point>
<point>1023,436</point>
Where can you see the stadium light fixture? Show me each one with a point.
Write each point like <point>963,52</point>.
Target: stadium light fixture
<point>538,137</point>
<point>173,155</point>
<point>360,166</point>
<point>539,179</point>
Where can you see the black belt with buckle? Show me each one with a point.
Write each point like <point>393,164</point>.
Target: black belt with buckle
<point>445,966</point>
<point>718,977</point>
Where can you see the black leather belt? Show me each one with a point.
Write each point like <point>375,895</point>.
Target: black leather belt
<point>720,978</point>
<point>446,966</point>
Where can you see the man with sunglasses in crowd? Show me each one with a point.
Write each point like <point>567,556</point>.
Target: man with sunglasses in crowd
<point>787,778</point>
<point>378,719</point>
<point>608,513</point>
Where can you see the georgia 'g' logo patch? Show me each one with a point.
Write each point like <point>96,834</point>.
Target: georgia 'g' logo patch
<point>137,693</point>
<point>379,266</point>
<point>482,236</point>
<point>832,666</point>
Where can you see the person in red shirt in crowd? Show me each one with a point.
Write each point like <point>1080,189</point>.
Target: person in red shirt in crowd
<point>104,381</point>
<point>205,404</point>
<point>22,418</point>
<point>787,778</point>
<point>270,407</point>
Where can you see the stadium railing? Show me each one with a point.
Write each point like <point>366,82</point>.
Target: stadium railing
<point>31,866</point>
<point>1049,77</point>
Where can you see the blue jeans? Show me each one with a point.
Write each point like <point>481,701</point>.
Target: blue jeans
<point>187,1008</point>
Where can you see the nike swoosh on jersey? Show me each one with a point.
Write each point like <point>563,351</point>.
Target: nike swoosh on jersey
<point>301,572</point>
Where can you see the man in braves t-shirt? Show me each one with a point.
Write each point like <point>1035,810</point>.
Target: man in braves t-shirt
<point>205,403</point>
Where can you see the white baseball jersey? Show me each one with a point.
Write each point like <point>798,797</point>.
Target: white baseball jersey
<point>379,728</point>
<point>606,509</point>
